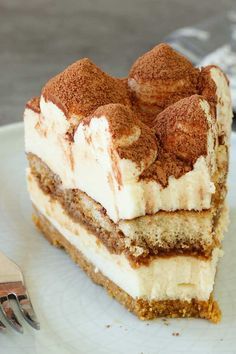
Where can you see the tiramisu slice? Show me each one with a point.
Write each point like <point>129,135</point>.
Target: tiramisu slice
<point>129,177</point>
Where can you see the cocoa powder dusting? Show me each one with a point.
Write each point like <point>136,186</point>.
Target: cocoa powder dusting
<point>170,139</point>
<point>123,123</point>
<point>182,129</point>
<point>83,87</point>
<point>33,104</point>
<point>163,63</point>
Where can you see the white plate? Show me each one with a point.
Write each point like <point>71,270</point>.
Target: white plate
<point>76,316</point>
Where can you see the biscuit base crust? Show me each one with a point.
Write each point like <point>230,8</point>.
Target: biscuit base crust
<point>142,308</point>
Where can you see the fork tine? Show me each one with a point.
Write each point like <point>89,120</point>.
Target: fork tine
<point>2,326</point>
<point>9,314</point>
<point>27,310</point>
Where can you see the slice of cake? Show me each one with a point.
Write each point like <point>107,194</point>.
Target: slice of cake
<point>129,177</point>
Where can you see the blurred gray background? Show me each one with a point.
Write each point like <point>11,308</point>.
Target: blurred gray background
<point>38,38</point>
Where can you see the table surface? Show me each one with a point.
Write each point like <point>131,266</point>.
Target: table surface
<point>38,38</point>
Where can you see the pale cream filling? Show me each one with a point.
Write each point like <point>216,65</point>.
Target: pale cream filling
<point>87,165</point>
<point>177,277</point>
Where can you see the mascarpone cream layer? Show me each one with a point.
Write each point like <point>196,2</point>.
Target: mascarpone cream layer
<point>177,277</point>
<point>88,164</point>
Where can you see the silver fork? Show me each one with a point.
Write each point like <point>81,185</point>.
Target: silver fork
<point>12,287</point>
